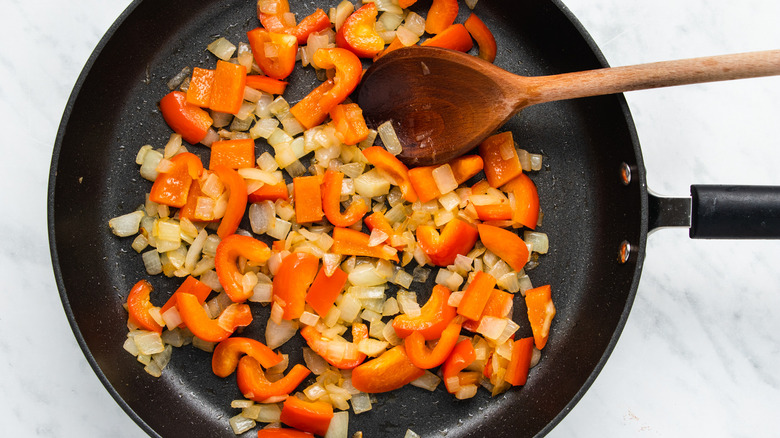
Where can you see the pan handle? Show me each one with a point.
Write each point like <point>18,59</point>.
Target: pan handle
<point>721,212</point>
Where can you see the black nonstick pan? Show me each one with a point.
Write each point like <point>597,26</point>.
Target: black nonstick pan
<point>591,212</point>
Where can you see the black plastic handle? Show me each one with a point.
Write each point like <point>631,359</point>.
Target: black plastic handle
<point>735,212</point>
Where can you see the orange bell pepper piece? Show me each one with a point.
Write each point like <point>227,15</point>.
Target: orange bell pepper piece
<point>227,94</point>
<point>277,432</point>
<point>347,356</point>
<point>462,356</point>
<point>190,121</point>
<point>358,33</point>
<point>308,199</point>
<point>138,306</point>
<point>315,22</point>
<point>406,3</point>
<point>526,200</point>
<point>476,296</point>
<point>228,251</point>
<point>308,416</point>
<point>292,280</point>
<point>199,89</point>
<point>226,354</point>
<point>425,358</point>
<point>274,52</point>
<point>454,37</point>
<point>191,285</point>
<point>212,330</point>
<point>517,370</point>
<point>434,316</point>
<point>499,304</point>
<point>377,219</point>
<point>484,37</point>
<point>494,212</point>
<point>347,241</point>
<point>331,202</point>
<point>235,154</point>
<point>308,110</point>
<point>236,200</point>
<point>541,312</point>
<point>172,188</point>
<point>350,125</point>
<point>394,45</point>
<point>266,83</point>
<point>390,371</point>
<point>270,192</point>
<point>324,290</point>
<point>441,15</point>
<point>457,237</point>
<point>505,244</point>
<point>388,163</point>
<point>463,168</point>
<point>255,386</point>
<point>498,170</point>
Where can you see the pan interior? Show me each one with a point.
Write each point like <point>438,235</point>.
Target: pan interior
<point>587,214</point>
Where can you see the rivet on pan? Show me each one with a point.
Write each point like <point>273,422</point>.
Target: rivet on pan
<point>625,174</point>
<point>624,253</point>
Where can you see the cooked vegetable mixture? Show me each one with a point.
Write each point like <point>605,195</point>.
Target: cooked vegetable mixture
<point>340,230</point>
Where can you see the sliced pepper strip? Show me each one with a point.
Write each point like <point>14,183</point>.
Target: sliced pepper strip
<point>227,93</point>
<point>331,202</point>
<point>255,386</point>
<point>377,219</point>
<point>476,296</point>
<point>308,199</point>
<point>463,168</point>
<point>484,37</point>
<point>226,354</point>
<point>426,358</point>
<point>191,285</point>
<point>517,370</point>
<point>541,312</point>
<point>347,241</point>
<point>277,432</point>
<point>388,163</point>
<point>308,110</point>
<point>199,89</point>
<point>325,289</point>
<point>434,316</point>
<point>441,15</point>
<point>358,33</point>
<point>462,356</point>
<point>191,121</point>
<point>235,154</point>
<point>285,47</point>
<point>346,356</point>
<point>292,280</point>
<point>505,244</point>
<point>212,330</point>
<point>349,71</point>
<point>499,305</point>
<point>457,237</point>
<point>270,192</point>
<point>225,262</point>
<point>138,306</point>
<point>454,37</point>
<point>390,371</point>
<point>350,125</point>
<point>308,416</point>
<point>526,200</point>
<point>499,170</point>
<point>266,83</point>
<point>236,201</point>
<point>172,188</point>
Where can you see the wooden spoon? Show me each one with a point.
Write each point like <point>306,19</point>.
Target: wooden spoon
<point>443,103</point>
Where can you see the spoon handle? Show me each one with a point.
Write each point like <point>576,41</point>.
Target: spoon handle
<point>654,75</point>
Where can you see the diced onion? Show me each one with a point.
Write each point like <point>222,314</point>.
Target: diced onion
<point>361,403</point>
<point>278,334</point>
<point>339,425</point>
<point>539,241</point>
<point>406,36</point>
<point>444,178</point>
<point>428,381</point>
<point>222,48</point>
<point>389,137</point>
<point>415,23</point>
<point>241,424</point>
<point>127,224</point>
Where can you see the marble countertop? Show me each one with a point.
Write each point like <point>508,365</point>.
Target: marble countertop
<point>700,353</point>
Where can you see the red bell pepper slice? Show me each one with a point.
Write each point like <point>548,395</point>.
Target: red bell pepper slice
<point>457,237</point>
<point>308,416</point>
<point>308,199</point>
<point>388,163</point>
<point>292,280</point>
<point>426,358</point>
<point>270,192</point>
<point>331,202</point>
<point>313,23</point>
<point>499,170</point>
<point>390,371</point>
<point>499,305</point>
<point>347,356</point>
<point>406,3</point>
<point>463,168</point>
<point>358,33</point>
<point>273,52</point>
<point>227,93</point>
<point>226,354</point>
<point>255,386</point>
<point>325,289</point>
<point>277,432</point>
<point>484,37</point>
<point>541,312</point>
<point>173,187</point>
<point>235,154</point>
<point>454,37</point>
<point>462,356</point>
<point>138,306</point>
<point>434,316</point>
<point>347,241</point>
<point>476,296</point>
<point>526,200</point>
<point>441,15</point>
<point>199,89</point>
<point>265,83</point>
<point>236,200</point>
<point>308,110</point>
<point>519,364</point>
<point>212,330</point>
<point>228,251</point>
<point>188,120</point>
<point>350,125</point>
<point>191,285</point>
<point>494,212</point>
<point>505,244</point>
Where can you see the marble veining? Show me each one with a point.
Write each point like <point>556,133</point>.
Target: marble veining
<point>700,352</point>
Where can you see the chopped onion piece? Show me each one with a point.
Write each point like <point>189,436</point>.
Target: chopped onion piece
<point>444,178</point>
<point>148,343</point>
<point>339,425</point>
<point>403,279</point>
<point>407,302</point>
<point>222,48</point>
<point>539,241</point>
<point>536,162</point>
<point>172,318</point>
<point>471,3</point>
<point>377,237</point>
<point>152,262</point>
<point>388,332</point>
<point>466,391</point>
<point>411,434</point>
<point>406,36</point>
<point>127,224</point>
<point>241,424</point>
<point>454,299</point>
<point>309,318</point>
<point>361,402</point>
<point>350,307</point>
<point>415,23</point>
<point>372,347</point>
<point>372,184</point>
<point>427,381</point>
<point>491,327</point>
<point>278,334</point>
<point>389,137</point>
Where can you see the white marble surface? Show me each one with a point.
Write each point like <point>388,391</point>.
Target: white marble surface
<point>700,355</point>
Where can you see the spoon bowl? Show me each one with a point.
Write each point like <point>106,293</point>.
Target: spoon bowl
<point>443,103</point>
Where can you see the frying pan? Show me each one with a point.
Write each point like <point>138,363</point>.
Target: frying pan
<point>589,212</point>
